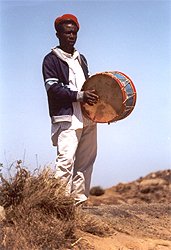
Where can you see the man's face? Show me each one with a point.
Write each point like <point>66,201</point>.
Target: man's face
<point>67,36</point>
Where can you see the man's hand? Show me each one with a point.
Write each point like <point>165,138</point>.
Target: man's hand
<point>90,97</point>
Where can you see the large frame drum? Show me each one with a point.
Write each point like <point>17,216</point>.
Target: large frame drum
<point>117,97</point>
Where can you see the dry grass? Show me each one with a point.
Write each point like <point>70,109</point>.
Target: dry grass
<point>40,216</point>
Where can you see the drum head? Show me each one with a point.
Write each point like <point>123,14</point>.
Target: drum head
<point>108,89</point>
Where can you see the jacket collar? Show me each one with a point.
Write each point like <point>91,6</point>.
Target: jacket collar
<point>64,55</point>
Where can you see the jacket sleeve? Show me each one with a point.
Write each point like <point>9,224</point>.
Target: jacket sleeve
<point>56,89</point>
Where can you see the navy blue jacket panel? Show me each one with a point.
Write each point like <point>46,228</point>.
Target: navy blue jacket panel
<point>60,97</point>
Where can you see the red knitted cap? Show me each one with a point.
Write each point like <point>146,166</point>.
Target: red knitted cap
<point>66,17</point>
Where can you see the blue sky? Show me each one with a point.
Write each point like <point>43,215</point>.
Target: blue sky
<point>133,37</point>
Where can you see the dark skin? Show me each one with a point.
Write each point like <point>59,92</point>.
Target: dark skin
<point>67,36</point>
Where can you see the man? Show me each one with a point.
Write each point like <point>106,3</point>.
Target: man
<point>65,71</point>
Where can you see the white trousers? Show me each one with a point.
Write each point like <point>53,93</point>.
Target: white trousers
<point>76,153</point>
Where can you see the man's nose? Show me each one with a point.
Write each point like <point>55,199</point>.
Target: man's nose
<point>72,34</point>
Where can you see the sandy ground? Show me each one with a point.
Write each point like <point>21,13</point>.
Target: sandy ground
<point>136,227</point>
<point>121,241</point>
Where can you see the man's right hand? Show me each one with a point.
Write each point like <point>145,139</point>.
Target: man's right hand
<point>90,97</point>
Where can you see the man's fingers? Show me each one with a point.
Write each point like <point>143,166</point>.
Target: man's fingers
<point>90,97</point>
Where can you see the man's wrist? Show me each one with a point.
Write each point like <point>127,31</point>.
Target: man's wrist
<point>80,96</point>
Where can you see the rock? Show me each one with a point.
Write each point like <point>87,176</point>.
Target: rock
<point>2,213</point>
<point>153,182</point>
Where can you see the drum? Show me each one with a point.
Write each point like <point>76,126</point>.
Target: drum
<point>117,97</point>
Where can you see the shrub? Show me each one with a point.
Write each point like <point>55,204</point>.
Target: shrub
<point>38,214</point>
<point>97,191</point>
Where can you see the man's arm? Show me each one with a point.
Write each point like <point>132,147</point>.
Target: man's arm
<point>55,88</point>
<point>60,92</point>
